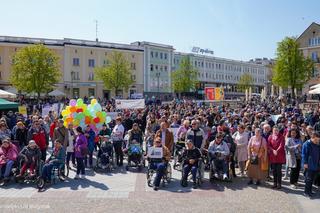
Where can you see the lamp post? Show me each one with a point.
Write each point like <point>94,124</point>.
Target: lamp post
<point>72,76</point>
<point>158,81</point>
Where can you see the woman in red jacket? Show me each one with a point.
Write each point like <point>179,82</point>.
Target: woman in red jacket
<point>277,156</point>
<point>38,134</point>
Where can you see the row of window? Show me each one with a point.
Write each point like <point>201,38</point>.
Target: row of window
<point>91,63</point>
<point>314,57</point>
<point>226,77</point>
<point>227,67</point>
<point>156,67</point>
<point>314,41</point>
<point>159,55</point>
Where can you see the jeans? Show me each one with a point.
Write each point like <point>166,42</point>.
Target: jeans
<point>8,167</point>
<point>43,155</point>
<point>118,151</point>
<point>70,155</point>
<point>220,165</point>
<point>309,178</point>
<point>90,154</point>
<point>80,166</point>
<point>46,171</point>
<point>186,170</point>
<point>277,174</point>
<point>160,169</point>
<point>294,173</point>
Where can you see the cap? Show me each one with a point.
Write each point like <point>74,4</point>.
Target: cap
<point>32,142</point>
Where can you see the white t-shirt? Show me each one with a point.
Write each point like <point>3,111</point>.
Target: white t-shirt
<point>70,148</point>
<point>117,132</point>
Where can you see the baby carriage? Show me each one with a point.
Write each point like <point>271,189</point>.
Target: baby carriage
<point>105,159</point>
<point>135,156</point>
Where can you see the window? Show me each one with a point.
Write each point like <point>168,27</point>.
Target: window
<point>132,56</point>
<point>156,67</point>
<point>91,92</point>
<point>0,60</point>
<point>161,68</point>
<point>91,76</point>
<point>314,56</point>
<point>151,67</point>
<point>165,68</point>
<point>195,63</point>
<point>75,51</point>
<point>133,66</point>
<point>165,56</point>
<point>156,54</point>
<point>161,55</point>
<point>105,54</point>
<point>133,77</point>
<point>75,92</point>
<point>91,62</point>
<point>91,52</point>
<point>0,75</point>
<point>76,62</point>
<point>151,53</point>
<point>105,62</point>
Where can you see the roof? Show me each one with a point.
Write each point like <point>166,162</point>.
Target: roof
<point>312,24</point>
<point>69,41</point>
<point>4,104</point>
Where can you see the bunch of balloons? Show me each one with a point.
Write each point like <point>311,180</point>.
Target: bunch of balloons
<point>81,114</point>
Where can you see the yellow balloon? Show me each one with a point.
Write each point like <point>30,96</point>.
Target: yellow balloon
<point>64,113</point>
<point>93,101</point>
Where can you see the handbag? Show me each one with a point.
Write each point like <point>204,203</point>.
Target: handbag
<point>255,160</point>
<point>84,151</point>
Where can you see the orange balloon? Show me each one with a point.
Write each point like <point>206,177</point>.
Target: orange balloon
<point>73,109</point>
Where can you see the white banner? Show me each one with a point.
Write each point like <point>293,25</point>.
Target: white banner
<point>45,110</point>
<point>155,152</point>
<point>275,117</point>
<point>130,104</point>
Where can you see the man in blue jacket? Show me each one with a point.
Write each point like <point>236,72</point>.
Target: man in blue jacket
<point>311,161</point>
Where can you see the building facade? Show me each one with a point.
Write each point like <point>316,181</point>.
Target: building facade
<point>220,72</point>
<point>158,63</point>
<point>309,42</point>
<point>77,59</point>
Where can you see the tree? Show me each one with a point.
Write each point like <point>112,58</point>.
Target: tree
<point>292,69</point>
<point>116,74</point>
<point>184,79</point>
<point>245,82</point>
<point>35,69</point>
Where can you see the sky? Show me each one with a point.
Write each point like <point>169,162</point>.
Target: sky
<point>233,29</point>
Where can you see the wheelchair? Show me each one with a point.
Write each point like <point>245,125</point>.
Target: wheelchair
<point>177,155</point>
<point>135,157</point>
<point>26,177</point>
<point>166,178</point>
<point>199,176</point>
<point>105,158</point>
<point>58,173</point>
<point>216,171</point>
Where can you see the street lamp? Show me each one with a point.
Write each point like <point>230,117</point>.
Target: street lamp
<point>158,80</point>
<point>72,76</point>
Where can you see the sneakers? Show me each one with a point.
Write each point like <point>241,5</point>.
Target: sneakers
<point>250,182</point>
<point>76,177</point>
<point>225,177</point>
<point>293,186</point>
<point>194,185</point>
<point>82,177</point>
<point>155,188</point>
<point>216,175</point>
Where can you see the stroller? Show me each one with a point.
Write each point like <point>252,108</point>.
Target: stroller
<point>105,156</point>
<point>177,156</point>
<point>135,156</point>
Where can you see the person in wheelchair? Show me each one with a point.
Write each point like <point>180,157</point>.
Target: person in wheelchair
<point>57,159</point>
<point>30,156</point>
<point>191,157</point>
<point>105,152</point>
<point>8,157</point>
<point>218,152</point>
<point>159,165</point>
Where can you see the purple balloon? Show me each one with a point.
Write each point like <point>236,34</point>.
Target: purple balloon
<point>73,102</point>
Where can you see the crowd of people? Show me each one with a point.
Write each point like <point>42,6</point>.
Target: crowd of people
<point>222,138</point>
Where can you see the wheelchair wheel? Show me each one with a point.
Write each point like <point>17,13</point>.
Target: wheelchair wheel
<point>40,183</point>
<point>63,172</point>
<point>169,173</point>
<point>149,176</point>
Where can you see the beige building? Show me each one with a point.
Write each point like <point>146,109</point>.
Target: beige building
<point>78,58</point>
<point>309,42</point>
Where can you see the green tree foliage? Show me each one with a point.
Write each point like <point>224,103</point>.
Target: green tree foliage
<point>35,69</point>
<point>116,75</point>
<point>245,82</point>
<point>292,69</point>
<point>185,78</point>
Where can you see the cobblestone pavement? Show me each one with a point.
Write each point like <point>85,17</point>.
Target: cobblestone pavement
<point>122,191</point>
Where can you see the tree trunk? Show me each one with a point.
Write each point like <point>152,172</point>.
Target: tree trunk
<point>292,93</point>
<point>38,96</point>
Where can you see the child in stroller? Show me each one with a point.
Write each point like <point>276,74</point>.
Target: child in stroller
<point>29,158</point>
<point>105,154</point>
<point>135,155</point>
